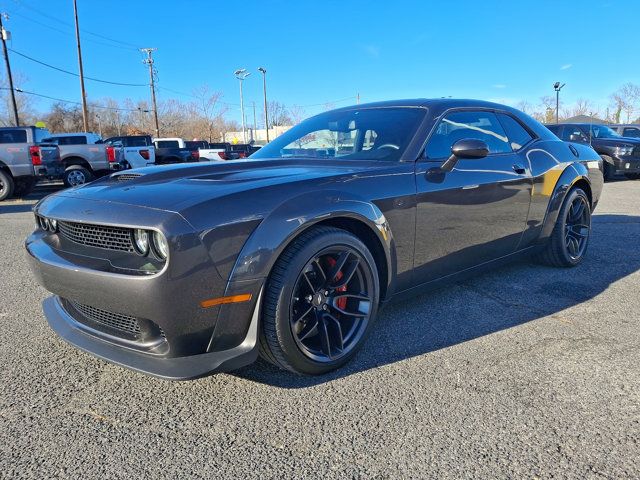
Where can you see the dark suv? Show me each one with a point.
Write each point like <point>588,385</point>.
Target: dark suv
<point>619,154</point>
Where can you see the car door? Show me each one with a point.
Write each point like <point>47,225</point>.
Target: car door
<point>476,212</point>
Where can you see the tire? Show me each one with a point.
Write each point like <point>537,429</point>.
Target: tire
<point>568,243</point>
<point>24,187</point>
<point>632,176</point>
<point>609,167</point>
<point>288,293</point>
<point>6,185</point>
<point>76,175</point>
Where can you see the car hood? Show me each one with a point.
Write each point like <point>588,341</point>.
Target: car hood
<point>615,142</point>
<point>177,187</point>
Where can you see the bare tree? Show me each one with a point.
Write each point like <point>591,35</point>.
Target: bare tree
<point>297,114</point>
<point>278,114</point>
<point>209,109</point>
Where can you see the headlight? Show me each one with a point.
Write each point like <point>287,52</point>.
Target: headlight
<point>161,246</point>
<point>53,225</point>
<point>624,150</point>
<point>44,223</point>
<point>141,241</point>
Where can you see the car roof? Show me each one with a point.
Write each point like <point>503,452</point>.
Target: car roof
<point>429,102</point>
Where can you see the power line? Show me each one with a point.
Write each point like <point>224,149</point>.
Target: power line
<point>75,74</point>
<point>51,17</point>
<point>69,33</point>
<point>19,90</point>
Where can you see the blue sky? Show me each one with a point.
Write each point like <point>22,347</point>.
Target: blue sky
<point>321,51</point>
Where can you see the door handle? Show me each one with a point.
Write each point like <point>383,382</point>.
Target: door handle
<point>518,168</point>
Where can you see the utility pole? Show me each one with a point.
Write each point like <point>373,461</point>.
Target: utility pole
<point>358,99</point>
<point>255,123</point>
<point>85,114</point>
<point>149,61</point>
<point>264,90</point>
<point>3,33</point>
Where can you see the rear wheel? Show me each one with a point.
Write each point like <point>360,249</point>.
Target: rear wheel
<point>76,175</point>
<point>321,300</point>
<point>570,237</point>
<point>6,185</point>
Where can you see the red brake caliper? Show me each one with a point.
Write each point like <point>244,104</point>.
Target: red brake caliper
<point>341,302</point>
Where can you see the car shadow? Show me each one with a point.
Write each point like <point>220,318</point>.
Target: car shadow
<point>505,298</point>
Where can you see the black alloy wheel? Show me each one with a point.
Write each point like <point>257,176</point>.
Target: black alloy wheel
<point>577,226</point>
<point>320,302</point>
<point>570,237</point>
<point>331,303</point>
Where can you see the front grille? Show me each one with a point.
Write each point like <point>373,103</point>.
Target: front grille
<point>123,177</point>
<point>110,238</point>
<point>117,321</point>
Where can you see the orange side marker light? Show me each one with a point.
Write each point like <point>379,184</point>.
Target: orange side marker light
<point>245,297</point>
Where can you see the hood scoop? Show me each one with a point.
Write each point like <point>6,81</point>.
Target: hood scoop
<point>123,177</point>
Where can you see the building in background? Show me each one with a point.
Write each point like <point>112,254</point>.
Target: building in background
<point>258,137</point>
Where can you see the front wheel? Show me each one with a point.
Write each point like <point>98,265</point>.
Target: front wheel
<point>320,302</point>
<point>570,236</point>
<point>609,167</point>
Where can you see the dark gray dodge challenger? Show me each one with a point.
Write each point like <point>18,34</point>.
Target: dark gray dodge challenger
<point>183,270</point>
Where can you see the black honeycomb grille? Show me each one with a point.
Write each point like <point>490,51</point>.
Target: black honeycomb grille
<point>116,321</point>
<point>110,238</point>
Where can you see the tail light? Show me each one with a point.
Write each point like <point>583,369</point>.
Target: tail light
<point>144,154</point>
<point>222,155</point>
<point>34,152</point>
<point>111,154</point>
<point>196,155</point>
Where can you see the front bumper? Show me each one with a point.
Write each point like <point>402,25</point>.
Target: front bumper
<point>178,368</point>
<point>168,334</point>
<point>627,164</point>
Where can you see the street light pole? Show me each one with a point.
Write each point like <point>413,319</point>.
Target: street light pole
<point>6,61</point>
<point>557,87</point>
<point>264,90</point>
<point>241,74</point>
<point>255,122</point>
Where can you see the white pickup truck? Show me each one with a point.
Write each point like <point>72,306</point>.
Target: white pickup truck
<point>138,150</point>
<point>85,156</point>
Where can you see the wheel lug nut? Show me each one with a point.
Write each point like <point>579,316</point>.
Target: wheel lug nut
<point>324,307</point>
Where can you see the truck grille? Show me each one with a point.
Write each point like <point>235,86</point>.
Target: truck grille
<point>117,321</point>
<point>110,238</point>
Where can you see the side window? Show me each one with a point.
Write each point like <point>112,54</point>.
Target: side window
<point>13,136</point>
<point>569,130</point>
<point>459,125</point>
<point>631,132</point>
<point>517,134</point>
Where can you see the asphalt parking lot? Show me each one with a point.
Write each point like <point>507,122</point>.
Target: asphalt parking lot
<point>527,372</point>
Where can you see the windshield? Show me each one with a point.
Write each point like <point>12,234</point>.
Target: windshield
<point>600,131</point>
<point>366,134</point>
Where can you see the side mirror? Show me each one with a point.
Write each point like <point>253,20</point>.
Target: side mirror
<point>468,148</point>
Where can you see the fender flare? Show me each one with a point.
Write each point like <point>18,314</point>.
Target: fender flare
<point>281,226</point>
<point>572,174</point>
